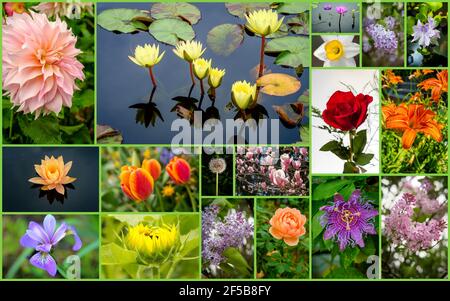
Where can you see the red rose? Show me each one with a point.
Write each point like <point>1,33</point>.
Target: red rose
<point>346,111</point>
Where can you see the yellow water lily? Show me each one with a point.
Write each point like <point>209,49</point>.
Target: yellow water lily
<point>243,94</point>
<point>150,241</point>
<point>201,67</point>
<point>215,77</point>
<point>263,22</point>
<point>189,50</point>
<point>147,56</point>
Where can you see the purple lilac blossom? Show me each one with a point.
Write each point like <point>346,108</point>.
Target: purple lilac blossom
<point>383,38</point>
<point>426,34</point>
<point>341,9</point>
<point>218,235</point>
<point>44,238</point>
<point>348,222</point>
<point>402,229</point>
<point>390,22</point>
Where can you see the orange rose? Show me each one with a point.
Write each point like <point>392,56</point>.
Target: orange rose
<point>288,224</point>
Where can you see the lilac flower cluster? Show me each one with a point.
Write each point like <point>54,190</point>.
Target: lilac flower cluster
<point>348,222</point>
<point>383,38</point>
<point>402,228</point>
<point>426,34</point>
<point>390,22</point>
<point>218,235</point>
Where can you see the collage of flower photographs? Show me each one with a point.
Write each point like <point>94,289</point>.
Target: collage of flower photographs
<point>299,140</point>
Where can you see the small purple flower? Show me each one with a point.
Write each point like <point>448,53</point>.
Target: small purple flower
<point>347,222</point>
<point>390,22</point>
<point>44,238</point>
<point>165,156</point>
<point>426,34</point>
<point>383,38</point>
<point>327,6</point>
<point>341,9</point>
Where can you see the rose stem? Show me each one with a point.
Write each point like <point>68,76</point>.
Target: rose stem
<point>350,133</point>
<point>150,70</point>
<point>191,72</point>
<point>340,16</point>
<point>202,89</point>
<point>261,56</point>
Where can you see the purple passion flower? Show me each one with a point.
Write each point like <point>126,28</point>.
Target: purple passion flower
<point>327,6</point>
<point>341,9</point>
<point>347,222</point>
<point>44,238</point>
<point>426,34</point>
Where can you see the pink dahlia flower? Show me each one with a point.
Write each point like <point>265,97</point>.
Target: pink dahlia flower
<point>39,63</point>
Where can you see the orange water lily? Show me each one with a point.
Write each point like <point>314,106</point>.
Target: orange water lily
<point>411,119</point>
<point>53,174</point>
<point>437,85</point>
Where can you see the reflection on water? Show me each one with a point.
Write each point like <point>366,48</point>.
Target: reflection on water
<point>123,101</point>
<point>53,195</point>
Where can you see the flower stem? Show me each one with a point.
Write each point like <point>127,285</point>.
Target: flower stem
<point>158,196</point>
<point>217,183</point>
<point>351,135</point>
<point>261,57</point>
<point>11,123</point>
<point>202,88</point>
<point>191,72</point>
<point>150,70</point>
<point>191,198</point>
<point>340,16</point>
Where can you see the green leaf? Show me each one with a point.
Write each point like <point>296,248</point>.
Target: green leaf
<point>293,8</point>
<point>435,5</point>
<point>191,243</point>
<point>348,256</point>
<point>112,254</point>
<point>224,39</point>
<point>336,148</point>
<point>293,51</point>
<point>240,9</point>
<point>363,159</point>
<point>171,31</point>
<point>359,142</point>
<point>347,190</point>
<point>120,19</point>
<point>44,130</point>
<point>71,129</point>
<point>369,248</point>
<point>329,146</point>
<point>316,227</point>
<point>350,167</point>
<point>326,190</point>
<point>83,100</point>
<point>346,273</point>
<point>235,258</point>
<point>184,11</point>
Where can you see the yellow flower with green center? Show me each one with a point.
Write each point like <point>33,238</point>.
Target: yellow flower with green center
<point>201,67</point>
<point>263,22</point>
<point>215,77</point>
<point>243,94</point>
<point>147,56</point>
<point>334,50</point>
<point>189,50</point>
<point>150,241</point>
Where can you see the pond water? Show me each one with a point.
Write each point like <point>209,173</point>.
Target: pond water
<point>121,84</point>
<point>19,195</point>
<point>328,20</point>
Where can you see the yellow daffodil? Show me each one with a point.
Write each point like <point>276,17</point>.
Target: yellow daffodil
<point>201,67</point>
<point>147,56</point>
<point>152,241</point>
<point>215,77</point>
<point>243,94</point>
<point>189,50</point>
<point>53,174</point>
<point>263,22</point>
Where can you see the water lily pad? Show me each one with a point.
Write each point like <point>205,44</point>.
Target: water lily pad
<point>278,84</point>
<point>290,114</point>
<point>121,19</point>
<point>240,9</point>
<point>292,8</point>
<point>225,39</point>
<point>184,11</point>
<point>293,51</point>
<point>108,135</point>
<point>171,31</point>
<point>299,24</point>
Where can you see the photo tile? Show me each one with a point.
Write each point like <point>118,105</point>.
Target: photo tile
<point>228,238</point>
<point>282,238</point>
<point>149,179</point>
<point>340,17</point>
<point>414,227</point>
<point>335,51</point>
<point>427,34</point>
<point>345,121</point>
<point>50,179</point>
<point>48,85</point>
<point>345,227</point>
<point>217,171</point>
<point>150,246</point>
<point>71,253</point>
<point>414,132</point>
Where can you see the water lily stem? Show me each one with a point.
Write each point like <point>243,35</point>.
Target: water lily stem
<point>261,57</point>
<point>191,198</point>
<point>202,88</point>
<point>191,72</point>
<point>340,16</point>
<point>150,70</point>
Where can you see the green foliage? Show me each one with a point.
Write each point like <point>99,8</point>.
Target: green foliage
<point>224,39</point>
<point>183,11</point>
<point>120,19</point>
<point>171,31</point>
<point>292,51</point>
<point>275,259</point>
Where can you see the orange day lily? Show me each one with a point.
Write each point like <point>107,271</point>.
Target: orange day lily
<point>437,85</point>
<point>53,174</point>
<point>390,78</point>
<point>411,119</point>
<point>179,170</point>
